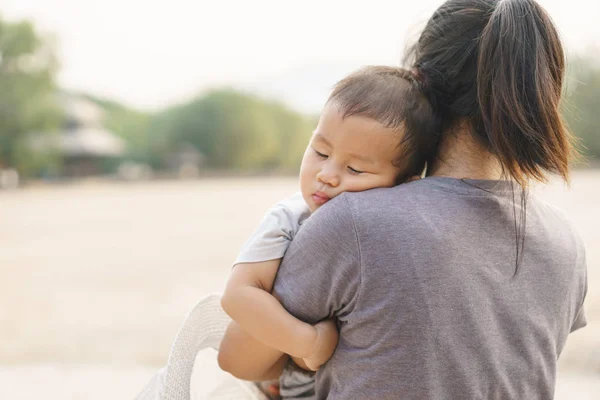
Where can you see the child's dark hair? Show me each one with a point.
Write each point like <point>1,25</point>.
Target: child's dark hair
<point>499,64</point>
<point>393,97</point>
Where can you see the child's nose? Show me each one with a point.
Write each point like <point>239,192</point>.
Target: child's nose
<point>329,176</point>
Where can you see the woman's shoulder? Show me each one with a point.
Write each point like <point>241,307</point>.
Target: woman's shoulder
<point>555,219</point>
<point>406,196</point>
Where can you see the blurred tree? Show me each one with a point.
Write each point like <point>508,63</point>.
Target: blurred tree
<point>27,103</point>
<point>233,130</point>
<point>294,131</point>
<point>582,106</point>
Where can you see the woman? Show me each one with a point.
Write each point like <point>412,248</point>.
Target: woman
<point>459,285</point>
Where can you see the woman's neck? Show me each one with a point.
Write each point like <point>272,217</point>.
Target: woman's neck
<point>461,156</point>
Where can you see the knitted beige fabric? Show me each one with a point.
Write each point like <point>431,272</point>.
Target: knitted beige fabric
<point>202,329</point>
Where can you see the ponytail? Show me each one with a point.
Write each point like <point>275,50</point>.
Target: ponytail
<point>520,70</point>
<point>498,64</point>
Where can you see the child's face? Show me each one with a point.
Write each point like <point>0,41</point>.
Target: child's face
<point>347,155</point>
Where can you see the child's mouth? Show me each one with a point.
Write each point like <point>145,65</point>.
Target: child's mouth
<point>320,198</point>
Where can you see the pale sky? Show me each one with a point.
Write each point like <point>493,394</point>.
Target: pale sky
<point>152,53</point>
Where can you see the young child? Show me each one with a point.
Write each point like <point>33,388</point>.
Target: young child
<point>376,130</point>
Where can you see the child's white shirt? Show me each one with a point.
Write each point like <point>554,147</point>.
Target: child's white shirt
<point>276,231</point>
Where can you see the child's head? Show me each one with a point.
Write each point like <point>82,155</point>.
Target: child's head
<point>376,130</point>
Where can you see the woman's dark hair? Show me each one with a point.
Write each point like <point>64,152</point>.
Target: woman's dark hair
<point>393,97</point>
<point>499,64</point>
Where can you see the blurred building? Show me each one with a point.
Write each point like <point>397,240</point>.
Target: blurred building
<point>83,143</point>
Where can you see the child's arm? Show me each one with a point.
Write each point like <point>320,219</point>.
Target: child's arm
<point>246,358</point>
<point>248,301</point>
<point>256,344</point>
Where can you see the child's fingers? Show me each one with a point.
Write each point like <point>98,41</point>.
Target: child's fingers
<point>273,389</point>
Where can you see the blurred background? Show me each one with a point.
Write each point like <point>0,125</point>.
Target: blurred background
<point>129,132</point>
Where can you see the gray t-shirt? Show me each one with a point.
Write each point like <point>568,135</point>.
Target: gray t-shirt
<point>422,280</point>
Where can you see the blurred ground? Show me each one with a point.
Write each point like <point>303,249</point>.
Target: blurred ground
<point>96,277</point>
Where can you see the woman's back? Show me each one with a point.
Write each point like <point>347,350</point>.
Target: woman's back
<point>445,288</point>
<point>432,307</point>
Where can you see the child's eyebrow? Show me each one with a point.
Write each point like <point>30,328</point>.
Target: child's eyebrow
<point>321,138</point>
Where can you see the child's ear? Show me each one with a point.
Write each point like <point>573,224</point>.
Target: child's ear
<point>413,178</point>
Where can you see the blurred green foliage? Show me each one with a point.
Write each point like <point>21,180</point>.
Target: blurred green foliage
<point>582,103</point>
<point>27,95</point>
<point>235,130</point>
<point>230,129</point>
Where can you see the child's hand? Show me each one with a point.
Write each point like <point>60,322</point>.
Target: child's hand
<point>327,339</point>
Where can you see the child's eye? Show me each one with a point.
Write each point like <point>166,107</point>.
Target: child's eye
<point>354,171</point>
<point>321,154</point>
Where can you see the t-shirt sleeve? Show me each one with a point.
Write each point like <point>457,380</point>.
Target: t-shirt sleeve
<point>580,319</point>
<point>320,275</point>
<point>273,235</point>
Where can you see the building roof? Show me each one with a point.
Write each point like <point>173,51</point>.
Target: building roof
<point>84,134</point>
<point>83,141</point>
